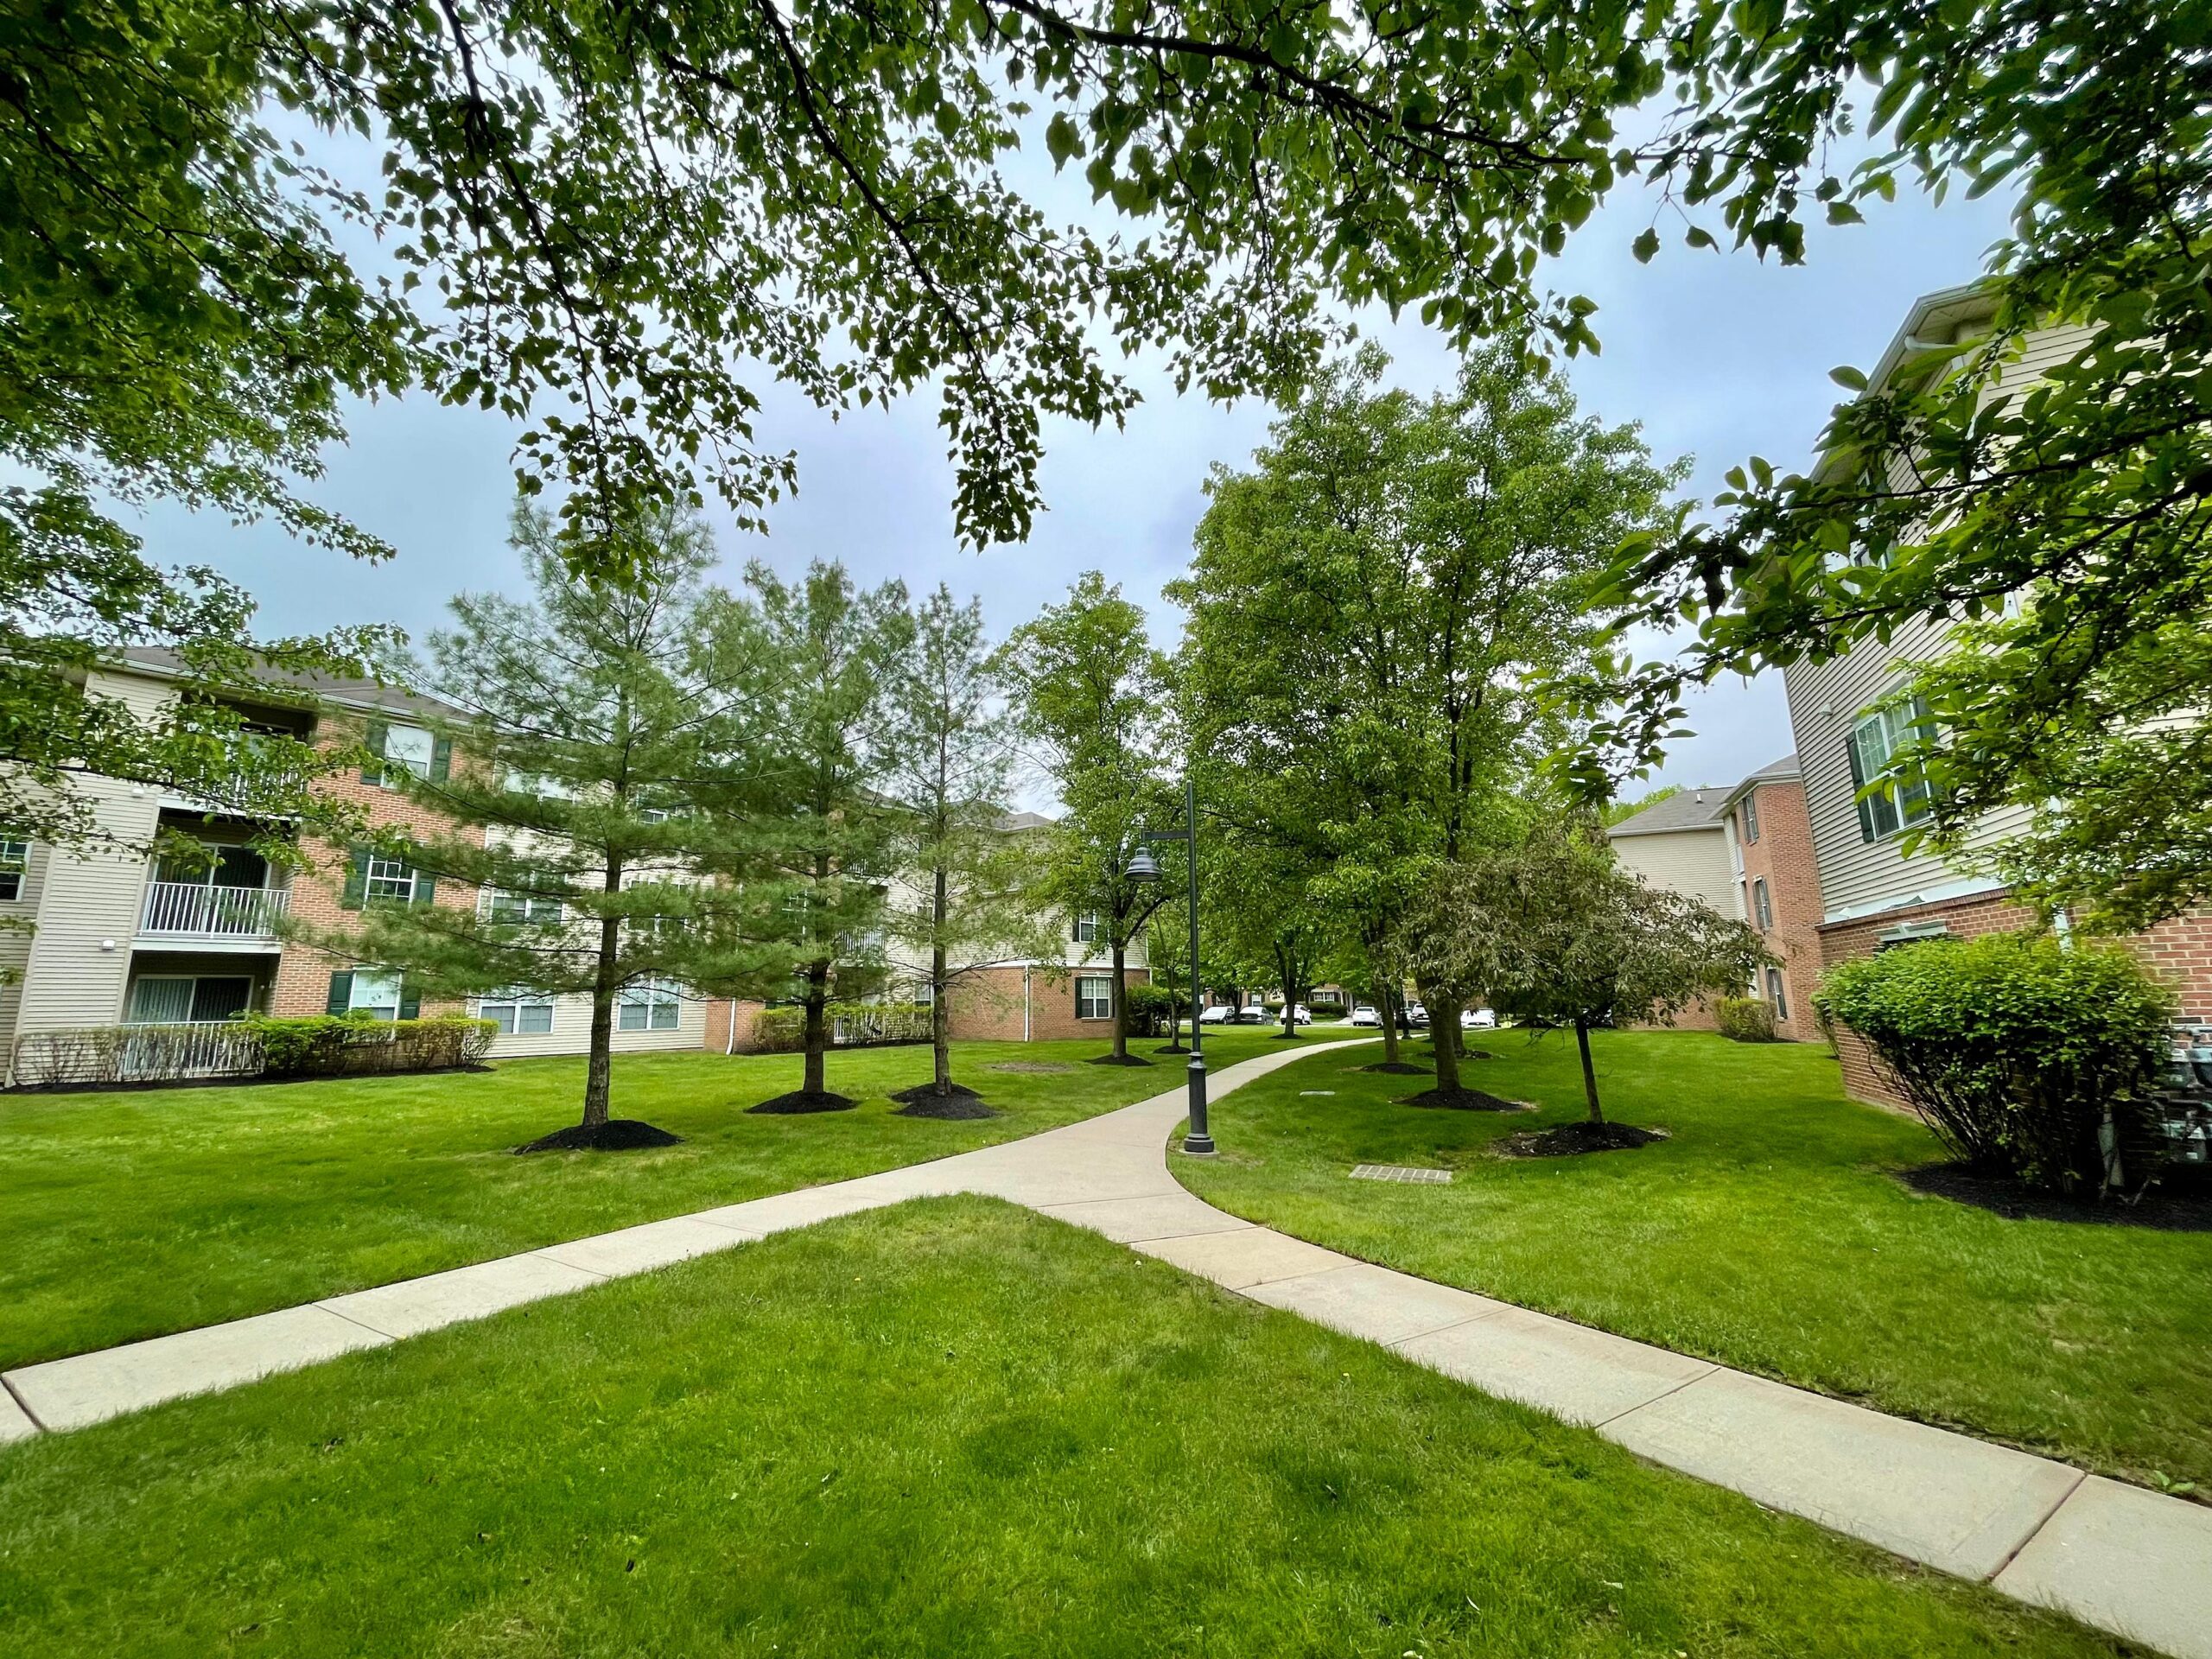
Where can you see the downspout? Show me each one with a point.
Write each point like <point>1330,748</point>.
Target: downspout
<point>1025,1001</point>
<point>729,1046</point>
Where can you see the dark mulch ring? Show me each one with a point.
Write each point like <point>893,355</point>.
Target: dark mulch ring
<point>1397,1069</point>
<point>959,1105</point>
<point>1462,1099</point>
<point>1571,1140</point>
<point>1171,1048</point>
<point>1119,1059</point>
<point>803,1099</point>
<point>1033,1068</point>
<point>616,1135</point>
<point>2187,1209</point>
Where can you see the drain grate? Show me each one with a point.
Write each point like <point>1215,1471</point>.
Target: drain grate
<point>1401,1172</point>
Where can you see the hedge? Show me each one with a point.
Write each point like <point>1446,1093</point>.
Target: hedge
<point>852,1025</point>
<point>252,1046</point>
<point>1744,1019</point>
<point>2013,1047</point>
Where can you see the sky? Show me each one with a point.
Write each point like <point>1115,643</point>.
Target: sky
<point>1718,356</point>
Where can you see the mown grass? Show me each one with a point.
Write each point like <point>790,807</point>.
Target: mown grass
<point>947,1428</point>
<point>1769,1233</point>
<point>133,1214</point>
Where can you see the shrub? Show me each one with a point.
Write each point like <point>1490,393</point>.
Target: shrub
<point>325,1045</point>
<point>1152,1010</point>
<point>2012,1048</point>
<point>852,1025</point>
<point>254,1045</point>
<point>1744,1019</point>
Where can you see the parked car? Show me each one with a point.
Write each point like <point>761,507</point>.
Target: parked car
<point>1219,1014</point>
<point>1299,1014</point>
<point>1416,1014</point>
<point>1364,1015</point>
<point>1478,1018</point>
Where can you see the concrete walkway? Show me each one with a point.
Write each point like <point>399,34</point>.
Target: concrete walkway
<point>2127,1561</point>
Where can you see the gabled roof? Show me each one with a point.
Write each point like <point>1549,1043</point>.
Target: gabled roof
<point>1026,821</point>
<point>1932,322</point>
<point>1784,771</point>
<point>350,693</point>
<point>1692,809</point>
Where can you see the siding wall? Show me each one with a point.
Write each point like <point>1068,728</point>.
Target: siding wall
<point>15,945</point>
<point>1858,877</point>
<point>1691,861</point>
<point>571,1032</point>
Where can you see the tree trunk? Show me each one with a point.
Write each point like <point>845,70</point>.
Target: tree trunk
<point>940,1016</point>
<point>1387,1006</point>
<point>818,1028</point>
<point>1121,999</point>
<point>598,1068</point>
<point>1589,1072</point>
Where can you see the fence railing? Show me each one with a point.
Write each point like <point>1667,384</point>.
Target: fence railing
<point>189,908</point>
<point>866,1025</point>
<point>95,1054</point>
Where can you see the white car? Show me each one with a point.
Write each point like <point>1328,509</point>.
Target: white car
<point>1478,1018</point>
<point>1219,1014</point>
<point>1364,1015</point>
<point>1416,1014</point>
<point>1299,1014</point>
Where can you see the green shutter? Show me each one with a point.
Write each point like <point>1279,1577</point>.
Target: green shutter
<point>410,1005</point>
<point>374,739</point>
<point>341,993</point>
<point>357,878</point>
<point>426,888</point>
<point>441,761</point>
<point>1857,788</point>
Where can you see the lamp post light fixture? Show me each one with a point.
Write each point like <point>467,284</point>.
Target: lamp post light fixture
<point>1144,867</point>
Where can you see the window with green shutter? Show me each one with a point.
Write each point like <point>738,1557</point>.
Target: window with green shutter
<point>1876,746</point>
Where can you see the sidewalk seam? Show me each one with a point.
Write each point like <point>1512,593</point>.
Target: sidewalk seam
<point>2081,1480</point>
<point>24,1405</point>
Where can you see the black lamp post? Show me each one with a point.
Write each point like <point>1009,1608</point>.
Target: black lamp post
<point>1145,868</point>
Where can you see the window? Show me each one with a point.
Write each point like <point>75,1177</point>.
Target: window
<point>1749,815</point>
<point>1086,928</point>
<point>1874,746</point>
<point>1762,906</point>
<point>512,909</point>
<point>649,1005</point>
<point>15,861</point>
<point>1776,995</point>
<point>214,867</point>
<point>388,880</point>
<point>179,999</point>
<point>924,994</point>
<point>375,992</point>
<point>409,747</point>
<point>1909,933</point>
<point>1093,996</point>
<point>528,1012</point>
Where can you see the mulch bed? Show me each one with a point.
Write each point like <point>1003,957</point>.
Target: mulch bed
<point>801,1101</point>
<point>616,1135</point>
<point>1171,1048</point>
<point>959,1105</point>
<point>2165,1211</point>
<point>1462,1099</point>
<point>1572,1140</point>
<point>1119,1059</point>
<point>1033,1068</point>
<point>1397,1069</point>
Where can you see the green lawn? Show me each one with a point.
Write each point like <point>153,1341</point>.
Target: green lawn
<point>948,1428</point>
<point>133,1214</point>
<point>1769,1233</point>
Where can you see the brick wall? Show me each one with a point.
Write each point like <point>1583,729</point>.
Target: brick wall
<point>722,1013</point>
<point>303,983</point>
<point>2179,951</point>
<point>987,1005</point>
<point>1782,858</point>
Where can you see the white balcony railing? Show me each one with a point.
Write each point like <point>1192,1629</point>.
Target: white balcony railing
<point>188,909</point>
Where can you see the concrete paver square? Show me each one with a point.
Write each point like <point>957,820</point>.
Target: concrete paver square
<point>785,1210</point>
<point>1238,1260</point>
<point>414,1306</point>
<point>1960,1504</point>
<point>14,1423</point>
<point>638,1250</point>
<point>90,1388</point>
<point>1129,1221</point>
<point>1377,1303</point>
<point>1570,1370</point>
<point>2127,1561</point>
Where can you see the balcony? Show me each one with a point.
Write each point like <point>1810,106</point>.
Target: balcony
<point>193,910</point>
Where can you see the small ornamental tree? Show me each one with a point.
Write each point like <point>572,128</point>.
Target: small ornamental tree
<point>2015,1049</point>
<point>1558,934</point>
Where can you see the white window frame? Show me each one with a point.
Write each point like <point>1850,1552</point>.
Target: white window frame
<point>378,977</point>
<point>191,996</point>
<point>530,908</point>
<point>400,746</point>
<point>1100,991</point>
<point>1777,994</point>
<point>15,868</point>
<point>517,1013</point>
<point>653,1002</point>
<point>1908,800</point>
<point>1763,904</point>
<point>377,868</point>
<point>1086,927</point>
<point>1749,815</point>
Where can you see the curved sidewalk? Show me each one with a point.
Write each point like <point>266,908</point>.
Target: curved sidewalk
<point>2127,1561</point>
